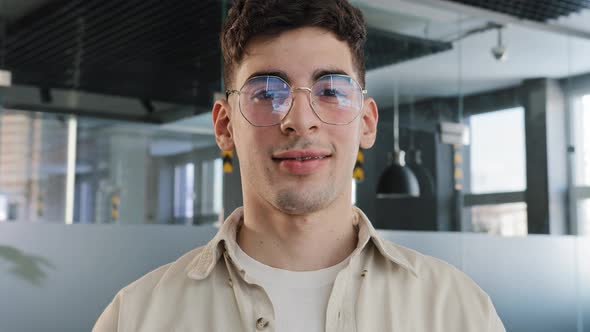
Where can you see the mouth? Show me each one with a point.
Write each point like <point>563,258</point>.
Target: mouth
<point>301,158</point>
<point>301,155</point>
<point>301,162</point>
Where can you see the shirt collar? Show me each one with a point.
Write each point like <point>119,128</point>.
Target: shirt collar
<point>225,240</point>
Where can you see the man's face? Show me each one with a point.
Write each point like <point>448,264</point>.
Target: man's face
<point>269,175</point>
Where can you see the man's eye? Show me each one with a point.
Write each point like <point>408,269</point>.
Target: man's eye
<point>331,93</point>
<point>263,95</point>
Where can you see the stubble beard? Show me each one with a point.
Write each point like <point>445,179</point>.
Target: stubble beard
<point>300,203</point>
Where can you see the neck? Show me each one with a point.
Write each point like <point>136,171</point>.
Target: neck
<point>298,242</point>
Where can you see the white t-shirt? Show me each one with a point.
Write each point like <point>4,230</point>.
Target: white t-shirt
<point>299,299</point>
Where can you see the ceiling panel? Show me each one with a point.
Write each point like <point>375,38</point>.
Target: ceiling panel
<point>534,10</point>
<point>149,49</point>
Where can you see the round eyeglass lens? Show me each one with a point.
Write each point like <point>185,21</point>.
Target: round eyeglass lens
<point>265,100</point>
<point>337,99</point>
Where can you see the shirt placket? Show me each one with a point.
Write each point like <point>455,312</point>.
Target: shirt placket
<point>340,314</point>
<point>253,303</point>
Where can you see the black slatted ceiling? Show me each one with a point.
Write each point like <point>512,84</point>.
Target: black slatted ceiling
<point>534,10</point>
<point>385,48</point>
<point>149,49</point>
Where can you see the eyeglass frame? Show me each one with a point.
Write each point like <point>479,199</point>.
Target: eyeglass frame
<point>292,91</point>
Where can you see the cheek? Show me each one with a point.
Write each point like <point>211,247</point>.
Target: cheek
<point>347,143</point>
<point>348,136</point>
<point>253,145</point>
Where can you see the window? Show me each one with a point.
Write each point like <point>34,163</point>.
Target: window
<point>584,216</point>
<point>211,188</point>
<point>184,179</point>
<point>500,219</point>
<point>497,173</point>
<point>3,209</point>
<point>581,163</point>
<point>32,167</point>
<point>498,159</point>
<point>353,198</point>
<point>582,142</point>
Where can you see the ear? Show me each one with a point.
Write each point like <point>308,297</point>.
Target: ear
<point>222,125</point>
<point>369,120</point>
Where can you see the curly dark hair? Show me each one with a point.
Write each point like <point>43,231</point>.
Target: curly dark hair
<point>252,18</point>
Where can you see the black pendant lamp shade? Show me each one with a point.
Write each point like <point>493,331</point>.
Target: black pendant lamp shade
<point>397,180</point>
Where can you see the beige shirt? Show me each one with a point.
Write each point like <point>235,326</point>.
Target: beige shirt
<point>384,287</point>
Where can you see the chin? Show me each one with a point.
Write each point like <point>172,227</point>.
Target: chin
<point>297,203</point>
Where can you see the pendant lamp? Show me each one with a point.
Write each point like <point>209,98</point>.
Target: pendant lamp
<point>397,180</point>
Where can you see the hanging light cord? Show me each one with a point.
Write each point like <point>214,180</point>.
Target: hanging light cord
<point>395,117</point>
<point>411,122</point>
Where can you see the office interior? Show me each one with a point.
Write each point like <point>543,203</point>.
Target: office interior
<point>109,166</point>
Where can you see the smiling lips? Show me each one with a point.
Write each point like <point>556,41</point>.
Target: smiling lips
<point>301,162</point>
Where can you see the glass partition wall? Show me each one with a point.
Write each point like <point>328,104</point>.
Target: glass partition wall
<point>124,172</point>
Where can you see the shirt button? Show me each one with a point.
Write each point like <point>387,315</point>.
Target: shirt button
<point>261,323</point>
<point>364,273</point>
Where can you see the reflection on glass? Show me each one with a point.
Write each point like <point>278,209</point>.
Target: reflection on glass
<point>139,173</point>
<point>500,219</point>
<point>498,151</point>
<point>32,166</point>
<point>3,208</point>
<point>353,198</point>
<point>218,186</point>
<point>211,190</point>
<point>184,180</point>
<point>584,216</point>
<point>582,142</point>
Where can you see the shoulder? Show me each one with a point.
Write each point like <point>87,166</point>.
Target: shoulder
<point>152,299</point>
<point>440,278</point>
<point>425,283</point>
<point>169,275</point>
<point>132,301</point>
<point>155,286</point>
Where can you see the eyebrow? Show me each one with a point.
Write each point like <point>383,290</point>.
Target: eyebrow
<point>278,73</point>
<point>315,75</point>
<point>328,71</point>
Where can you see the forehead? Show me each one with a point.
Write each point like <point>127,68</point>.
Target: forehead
<point>298,55</point>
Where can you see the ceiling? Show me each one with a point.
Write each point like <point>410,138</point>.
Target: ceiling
<point>169,52</point>
<point>148,50</point>
<point>534,10</point>
<point>470,67</point>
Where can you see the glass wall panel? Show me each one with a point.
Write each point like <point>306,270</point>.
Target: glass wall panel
<point>32,167</point>
<point>584,216</point>
<point>582,141</point>
<point>498,159</point>
<point>138,173</point>
<point>500,219</point>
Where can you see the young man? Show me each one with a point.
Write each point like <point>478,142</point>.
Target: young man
<point>298,256</point>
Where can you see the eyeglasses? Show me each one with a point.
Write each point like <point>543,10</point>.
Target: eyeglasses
<point>266,100</point>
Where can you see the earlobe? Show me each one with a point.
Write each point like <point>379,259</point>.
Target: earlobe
<point>222,125</point>
<point>370,117</point>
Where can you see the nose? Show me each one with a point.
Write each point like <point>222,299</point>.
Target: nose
<point>301,118</point>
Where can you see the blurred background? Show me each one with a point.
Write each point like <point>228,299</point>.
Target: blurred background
<point>109,167</point>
